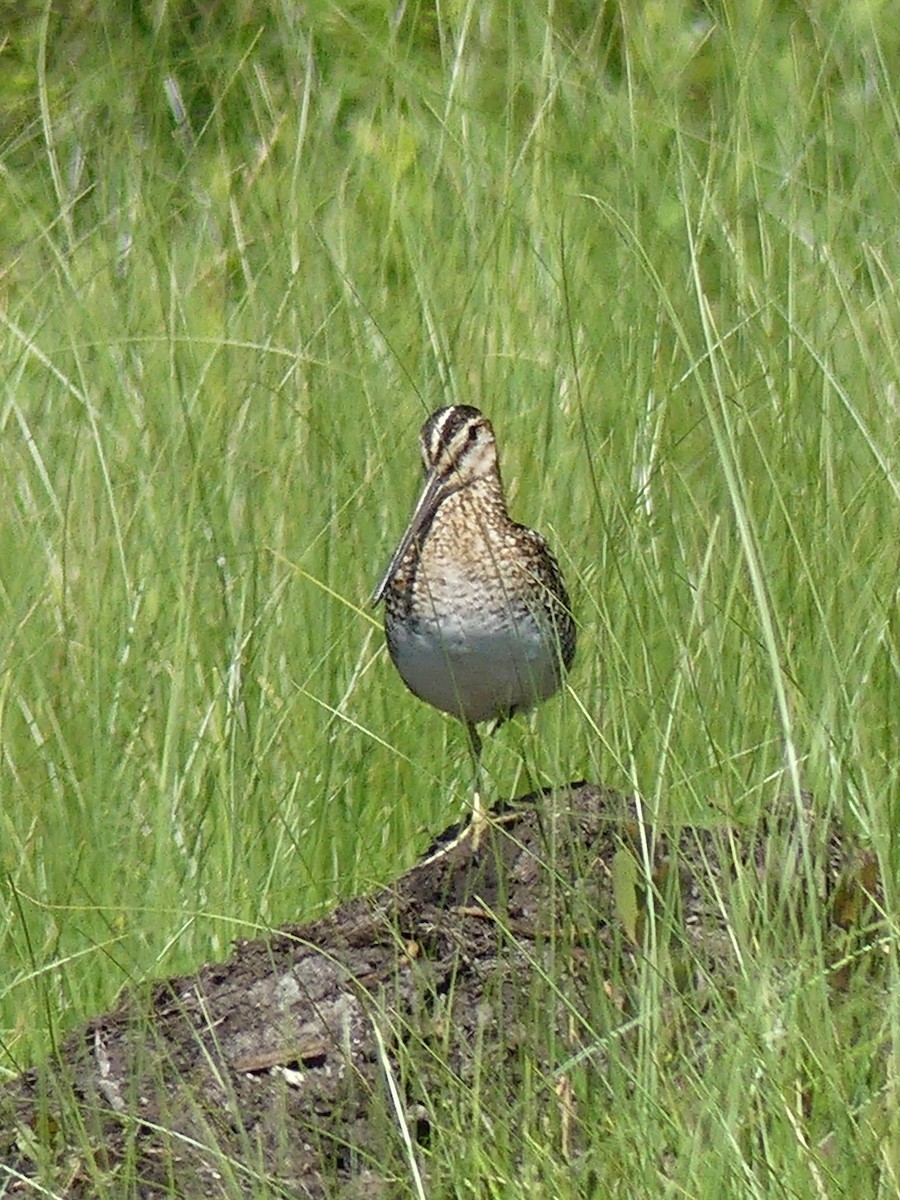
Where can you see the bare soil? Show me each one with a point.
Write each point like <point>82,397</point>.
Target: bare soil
<point>328,1059</point>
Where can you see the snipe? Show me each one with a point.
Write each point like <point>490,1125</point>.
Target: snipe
<point>477,615</point>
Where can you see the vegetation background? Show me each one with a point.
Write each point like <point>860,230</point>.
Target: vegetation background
<point>245,248</point>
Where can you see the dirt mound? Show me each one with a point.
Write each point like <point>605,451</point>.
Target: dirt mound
<point>321,1062</point>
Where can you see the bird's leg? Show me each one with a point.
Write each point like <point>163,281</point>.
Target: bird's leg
<point>479,814</point>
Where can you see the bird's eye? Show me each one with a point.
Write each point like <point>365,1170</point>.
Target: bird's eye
<point>473,434</point>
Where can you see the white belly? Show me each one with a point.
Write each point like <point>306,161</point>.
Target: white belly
<point>476,670</point>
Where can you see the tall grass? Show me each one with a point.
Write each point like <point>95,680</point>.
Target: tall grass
<point>246,254</point>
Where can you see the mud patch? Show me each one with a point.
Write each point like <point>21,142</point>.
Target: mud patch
<point>325,1060</point>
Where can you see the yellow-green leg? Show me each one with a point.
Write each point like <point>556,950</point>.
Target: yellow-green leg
<point>480,820</point>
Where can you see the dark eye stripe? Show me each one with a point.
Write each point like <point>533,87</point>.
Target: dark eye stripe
<point>444,426</point>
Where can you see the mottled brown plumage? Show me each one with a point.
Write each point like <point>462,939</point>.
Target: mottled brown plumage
<point>477,615</point>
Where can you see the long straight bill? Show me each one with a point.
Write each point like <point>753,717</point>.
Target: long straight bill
<point>431,495</point>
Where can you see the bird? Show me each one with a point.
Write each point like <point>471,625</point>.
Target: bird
<point>477,617</point>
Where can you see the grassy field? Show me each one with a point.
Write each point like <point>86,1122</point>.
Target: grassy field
<point>243,256</point>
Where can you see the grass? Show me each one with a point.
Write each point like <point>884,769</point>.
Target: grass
<point>245,256</point>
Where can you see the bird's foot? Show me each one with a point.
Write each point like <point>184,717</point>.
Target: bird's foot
<point>480,822</point>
